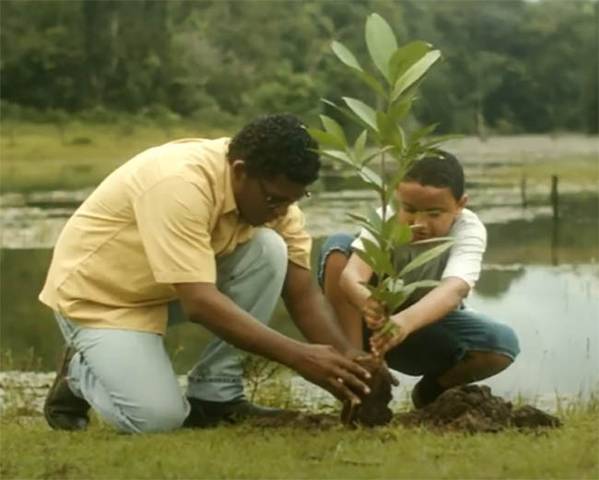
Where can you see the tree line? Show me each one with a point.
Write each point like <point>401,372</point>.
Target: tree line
<point>508,66</point>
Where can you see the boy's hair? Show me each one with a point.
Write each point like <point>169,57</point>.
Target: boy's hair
<point>273,145</point>
<point>442,170</point>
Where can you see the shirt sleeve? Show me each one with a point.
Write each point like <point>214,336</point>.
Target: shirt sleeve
<point>299,243</point>
<point>465,257</point>
<point>173,218</point>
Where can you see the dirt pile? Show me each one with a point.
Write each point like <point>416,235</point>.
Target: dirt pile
<point>473,408</point>
<point>374,409</point>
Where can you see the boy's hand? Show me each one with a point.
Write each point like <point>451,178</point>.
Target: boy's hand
<point>387,338</point>
<point>375,314</point>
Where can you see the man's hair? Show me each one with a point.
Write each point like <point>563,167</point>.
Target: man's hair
<point>273,145</point>
<point>440,170</point>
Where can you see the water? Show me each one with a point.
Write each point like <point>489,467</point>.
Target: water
<point>540,276</point>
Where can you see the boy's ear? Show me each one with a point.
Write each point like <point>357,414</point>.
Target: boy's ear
<point>463,201</point>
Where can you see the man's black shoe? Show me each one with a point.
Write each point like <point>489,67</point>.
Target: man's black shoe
<point>205,413</point>
<point>63,409</point>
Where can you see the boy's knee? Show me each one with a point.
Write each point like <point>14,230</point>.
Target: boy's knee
<point>504,340</point>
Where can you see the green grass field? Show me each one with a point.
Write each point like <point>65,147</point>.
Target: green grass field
<point>42,157</point>
<point>31,450</point>
<point>78,155</point>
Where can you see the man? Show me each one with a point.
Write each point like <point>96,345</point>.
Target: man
<point>173,233</point>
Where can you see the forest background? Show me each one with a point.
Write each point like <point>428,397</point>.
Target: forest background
<point>509,66</point>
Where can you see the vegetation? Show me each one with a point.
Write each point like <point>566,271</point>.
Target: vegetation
<point>509,66</point>
<point>402,71</point>
<point>31,450</point>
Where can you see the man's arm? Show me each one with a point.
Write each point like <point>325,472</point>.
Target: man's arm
<point>320,364</point>
<point>310,311</point>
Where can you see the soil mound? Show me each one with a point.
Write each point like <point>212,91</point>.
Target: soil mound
<point>374,409</point>
<point>473,408</point>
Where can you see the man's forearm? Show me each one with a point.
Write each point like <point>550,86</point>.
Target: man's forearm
<point>316,320</point>
<point>229,322</point>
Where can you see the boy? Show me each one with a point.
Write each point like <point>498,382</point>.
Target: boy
<point>437,337</point>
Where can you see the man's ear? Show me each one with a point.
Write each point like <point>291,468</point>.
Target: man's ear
<point>463,202</point>
<point>239,172</point>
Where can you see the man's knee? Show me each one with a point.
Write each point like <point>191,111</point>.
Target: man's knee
<point>154,417</point>
<point>273,251</point>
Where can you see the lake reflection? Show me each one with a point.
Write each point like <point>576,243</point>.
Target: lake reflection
<point>540,277</point>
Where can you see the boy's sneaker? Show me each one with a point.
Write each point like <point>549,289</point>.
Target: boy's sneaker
<point>63,409</point>
<point>205,413</point>
<point>425,392</point>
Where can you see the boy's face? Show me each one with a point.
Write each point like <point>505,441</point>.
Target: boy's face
<point>430,211</point>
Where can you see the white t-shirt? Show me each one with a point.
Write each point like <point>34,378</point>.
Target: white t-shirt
<point>463,260</point>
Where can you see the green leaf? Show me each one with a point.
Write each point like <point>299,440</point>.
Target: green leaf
<point>325,138</point>
<point>425,257</point>
<point>363,111</point>
<point>339,155</point>
<point>407,56</point>
<point>441,139</point>
<point>372,156</point>
<point>414,73</point>
<point>392,184</point>
<point>381,43</point>
<point>373,83</point>
<point>401,234</point>
<point>423,132</point>
<point>388,131</point>
<point>346,112</point>
<point>332,127</point>
<point>358,217</point>
<point>383,265</point>
<point>399,109</point>
<point>371,177</point>
<point>345,55</point>
<point>364,256</point>
<point>359,146</point>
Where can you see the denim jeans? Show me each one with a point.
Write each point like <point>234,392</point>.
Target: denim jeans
<point>127,376</point>
<point>436,348</point>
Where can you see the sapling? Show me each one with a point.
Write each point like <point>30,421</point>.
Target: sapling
<point>401,70</point>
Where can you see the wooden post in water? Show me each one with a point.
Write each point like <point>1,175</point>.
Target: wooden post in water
<point>554,196</point>
<point>523,191</point>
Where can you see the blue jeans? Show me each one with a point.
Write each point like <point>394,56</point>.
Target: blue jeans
<point>127,376</point>
<point>436,348</point>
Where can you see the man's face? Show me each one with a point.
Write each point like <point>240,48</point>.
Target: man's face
<point>430,211</point>
<point>261,200</point>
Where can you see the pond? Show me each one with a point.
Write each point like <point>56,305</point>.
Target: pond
<point>539,275</point>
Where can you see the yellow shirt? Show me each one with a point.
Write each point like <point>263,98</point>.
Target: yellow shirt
<point>161,218</point>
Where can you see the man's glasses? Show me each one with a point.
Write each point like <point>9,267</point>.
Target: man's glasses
<point>272,201</point>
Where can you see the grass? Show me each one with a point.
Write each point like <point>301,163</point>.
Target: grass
<point>76,155</point>
<point>31,450</point>
<point>42,157</point>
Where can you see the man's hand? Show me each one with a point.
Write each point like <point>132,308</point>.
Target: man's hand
<point>375,314</point>
<point>387,338</point>
<point>326,367</point>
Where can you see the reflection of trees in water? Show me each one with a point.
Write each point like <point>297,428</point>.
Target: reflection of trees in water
<point>495,283</point>
<point>574,238</point>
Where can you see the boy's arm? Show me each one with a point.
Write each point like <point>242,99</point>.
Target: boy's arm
<point>431,308</point>
<point>356,272</point>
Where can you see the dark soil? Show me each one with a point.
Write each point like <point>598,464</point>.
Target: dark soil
<point>474,409</point>
<point>374,409</point>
